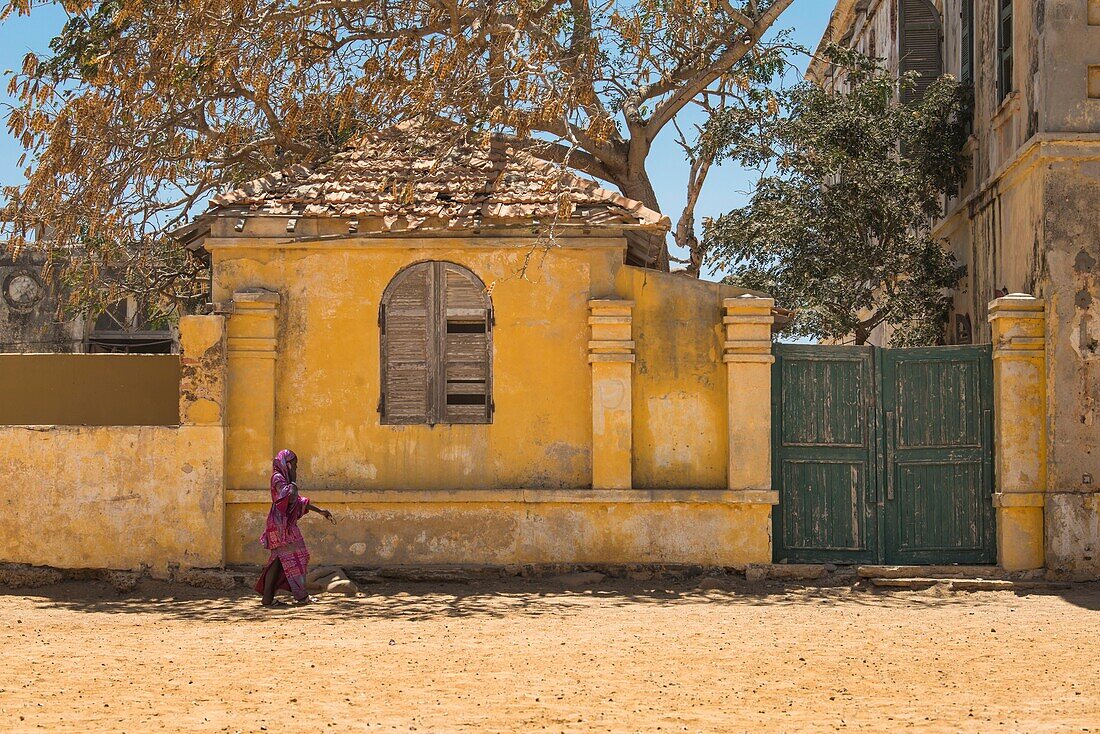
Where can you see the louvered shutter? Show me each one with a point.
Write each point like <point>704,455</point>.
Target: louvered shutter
<point>1004,49</point>
<point>466,364</point>
<point>919,45</point>
<point>966,58</point>
<point>407,346</point>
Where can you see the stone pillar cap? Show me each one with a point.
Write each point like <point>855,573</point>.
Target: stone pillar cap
<point>255,295</point>
<point>1015,302</point>
<point>748,300</point>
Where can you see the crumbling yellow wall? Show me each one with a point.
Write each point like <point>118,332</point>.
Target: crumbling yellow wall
<point>327,368</point>
<point>517,490</point>
<point>680,398</point>
<point>503,527</point>
<point>111,497</point>
<point>123,497</point>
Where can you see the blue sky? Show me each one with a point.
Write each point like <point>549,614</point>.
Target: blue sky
<point>726,185</point>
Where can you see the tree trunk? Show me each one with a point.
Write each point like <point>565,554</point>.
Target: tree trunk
<point>639,188</point>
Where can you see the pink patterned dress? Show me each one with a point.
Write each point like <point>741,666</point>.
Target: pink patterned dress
<point>282,536</point>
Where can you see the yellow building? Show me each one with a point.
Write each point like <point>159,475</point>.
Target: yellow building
<point>474,365</point>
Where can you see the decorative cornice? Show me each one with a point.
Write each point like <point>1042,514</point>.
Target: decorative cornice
<point>611,322</point>
<point>748,323</point>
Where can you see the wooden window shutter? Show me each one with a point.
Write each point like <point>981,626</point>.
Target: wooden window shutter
<point>966,53</point>
<point>466,335</point>
<point>1004,49</point>
<point>407,346</point>
<point>436,322</point>
<point>919,45</point>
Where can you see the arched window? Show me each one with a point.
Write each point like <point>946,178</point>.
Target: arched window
<point>919,45</point>
<point>436,320</point>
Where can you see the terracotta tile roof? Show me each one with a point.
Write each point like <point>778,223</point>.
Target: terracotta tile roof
<point>411,180</point>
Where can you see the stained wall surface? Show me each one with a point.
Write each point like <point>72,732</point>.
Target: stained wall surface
<point>1071,284</point>
<point>124,497</point>
<point>112,497</point>
<point>680,383</point>
<point>506,492</point>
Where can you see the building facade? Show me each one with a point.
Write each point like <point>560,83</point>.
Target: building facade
<point>1026,220</point>
<point>33,319</point>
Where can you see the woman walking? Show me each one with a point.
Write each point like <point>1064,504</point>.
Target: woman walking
<point>289,560</point>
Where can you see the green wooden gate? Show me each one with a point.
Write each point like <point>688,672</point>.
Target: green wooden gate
<point>883,456</point>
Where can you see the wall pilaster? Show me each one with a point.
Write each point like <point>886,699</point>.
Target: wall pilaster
<point>611,354</point>
<point>748,356</point>
<point>252,348</point>
<point>1020,428</point>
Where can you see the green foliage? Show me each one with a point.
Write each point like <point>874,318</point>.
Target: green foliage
<point>839,228</point>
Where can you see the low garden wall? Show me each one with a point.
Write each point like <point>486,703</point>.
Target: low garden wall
<point>122,496</point>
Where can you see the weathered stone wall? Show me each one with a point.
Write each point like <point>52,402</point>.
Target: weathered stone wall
<point>28,308</point>
<point>123,497</point>
<point>1071,285</point>
<point>517,526</point>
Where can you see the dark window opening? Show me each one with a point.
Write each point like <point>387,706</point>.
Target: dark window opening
<point>464,399</point>
<point>919,46</point>
<point>466,327</point>
<point>966,54</point>
<point>1004,50</point>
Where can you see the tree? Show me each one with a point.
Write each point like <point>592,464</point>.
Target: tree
<point>141,111</point>
<point>839,227</point>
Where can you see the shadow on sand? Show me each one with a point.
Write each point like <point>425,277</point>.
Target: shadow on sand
<point>412,601</point>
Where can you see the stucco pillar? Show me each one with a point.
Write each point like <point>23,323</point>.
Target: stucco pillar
<point>251,388</point>
<point>611,354</point>
<point>202,370</point>
<point>748,357</point>
<point>1020,428</point>
<point>202,437</point>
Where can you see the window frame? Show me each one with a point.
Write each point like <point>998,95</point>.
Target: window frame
<point>933,22</point>
<point>437,329</point>
<point>966,42</point>
<point>1006,83</point>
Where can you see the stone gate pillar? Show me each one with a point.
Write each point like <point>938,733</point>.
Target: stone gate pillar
<point>1020,429</point>
<point>202,432</point>
<point>251,388</point>
<point>748,356</point>
<point>611,354</point>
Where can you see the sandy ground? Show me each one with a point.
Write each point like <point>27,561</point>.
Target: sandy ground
<point>524,656</point>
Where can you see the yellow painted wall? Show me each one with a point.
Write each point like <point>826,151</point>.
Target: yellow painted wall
<point>395,487</point>
<point>327,373</point>
<point>680,399</point>
<point>516,526</point>
<point>112,497</point>
<point>123,497</point>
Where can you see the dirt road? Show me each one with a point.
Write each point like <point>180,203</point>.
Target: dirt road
<point>525,656</point>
